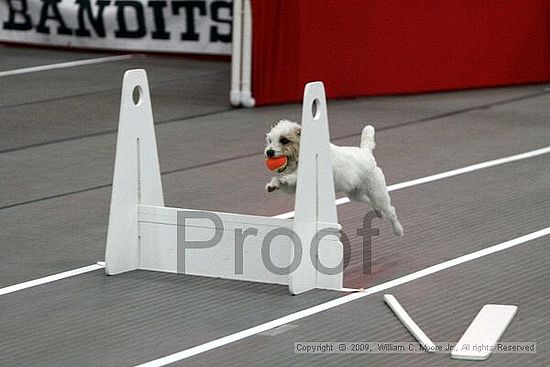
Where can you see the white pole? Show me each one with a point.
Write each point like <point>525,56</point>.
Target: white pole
<point>235,94</point>
<point>409,323</point>
<point>246,94</point>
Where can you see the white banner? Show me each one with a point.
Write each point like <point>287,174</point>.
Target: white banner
<point>186,26</point>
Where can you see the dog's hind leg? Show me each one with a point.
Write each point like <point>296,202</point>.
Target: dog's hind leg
<point>358,195</point>
<point>381,201</point>
<point>366,199</point>
<point>383,204</point>
<point>397,228</point>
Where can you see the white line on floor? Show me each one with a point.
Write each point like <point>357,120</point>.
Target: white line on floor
<point>399,186</point>
<point>342,300</point>
<point>69,64</point>
<point>447,174</point>
<point>51,278</point>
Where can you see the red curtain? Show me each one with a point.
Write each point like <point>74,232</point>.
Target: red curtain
<point>374,47</point>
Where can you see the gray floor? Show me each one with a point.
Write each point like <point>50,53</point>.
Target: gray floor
<point>57,141</point>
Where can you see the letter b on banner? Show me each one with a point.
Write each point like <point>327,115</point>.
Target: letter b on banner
<point>18,18</point>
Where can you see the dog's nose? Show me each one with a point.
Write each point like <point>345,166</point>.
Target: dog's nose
<point>270,153</point>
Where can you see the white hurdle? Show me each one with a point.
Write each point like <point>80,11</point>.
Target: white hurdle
<point>144,234</point>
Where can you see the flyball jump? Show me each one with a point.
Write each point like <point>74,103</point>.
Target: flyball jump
<point>304,252</point>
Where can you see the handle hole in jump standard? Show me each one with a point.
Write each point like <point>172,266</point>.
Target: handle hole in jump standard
<point>136,95</point>
<point>316,109</point>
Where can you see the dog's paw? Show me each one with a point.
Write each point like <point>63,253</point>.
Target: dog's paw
<point>270,188</point>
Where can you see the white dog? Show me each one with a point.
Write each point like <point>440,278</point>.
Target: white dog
<point>355,171</point>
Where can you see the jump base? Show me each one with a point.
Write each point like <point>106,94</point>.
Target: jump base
<point>304,252</point>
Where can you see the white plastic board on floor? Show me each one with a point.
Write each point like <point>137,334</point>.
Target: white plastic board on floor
<point>409,323</point>
<point>484,332</point>
<point>144,234</point>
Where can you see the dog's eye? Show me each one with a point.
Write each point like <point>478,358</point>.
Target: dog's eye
<point>284,141</point>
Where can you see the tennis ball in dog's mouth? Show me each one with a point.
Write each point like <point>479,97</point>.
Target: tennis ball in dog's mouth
<point>276,163</point>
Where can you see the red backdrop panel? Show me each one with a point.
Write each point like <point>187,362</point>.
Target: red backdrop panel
<point>373,47</point>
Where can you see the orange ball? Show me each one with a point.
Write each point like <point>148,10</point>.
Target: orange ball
<point>275,163</point>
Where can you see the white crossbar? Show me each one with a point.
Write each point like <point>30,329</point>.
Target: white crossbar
<point>144,234</point>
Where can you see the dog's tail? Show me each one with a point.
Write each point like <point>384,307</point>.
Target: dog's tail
<point>367,138</point>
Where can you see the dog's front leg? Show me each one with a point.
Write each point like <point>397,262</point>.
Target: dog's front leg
<point>288,182</point>
<point>272,185</point>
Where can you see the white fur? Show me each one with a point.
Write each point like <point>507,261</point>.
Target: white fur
<point>355,171</point>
